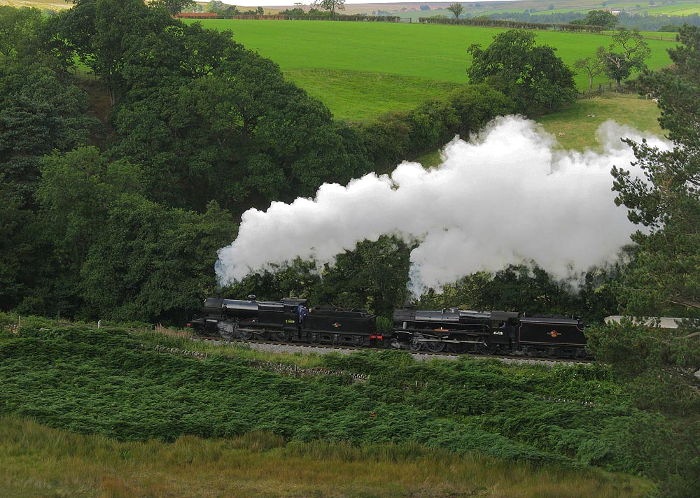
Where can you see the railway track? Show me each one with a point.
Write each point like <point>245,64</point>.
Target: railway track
<point>305,348</point>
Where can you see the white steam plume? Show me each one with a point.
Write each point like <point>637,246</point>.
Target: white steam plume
<point>507,196</point>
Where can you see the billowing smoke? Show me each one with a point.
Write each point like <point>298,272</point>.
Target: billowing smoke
<point>506,196</point>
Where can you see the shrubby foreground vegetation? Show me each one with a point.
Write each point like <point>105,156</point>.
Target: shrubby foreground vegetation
<point>369,407</point>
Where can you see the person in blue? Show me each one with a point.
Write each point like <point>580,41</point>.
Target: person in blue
<point>302,313</point>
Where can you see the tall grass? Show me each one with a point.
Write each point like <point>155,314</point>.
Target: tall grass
<point>38,461</point>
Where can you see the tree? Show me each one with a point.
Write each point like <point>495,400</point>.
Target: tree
<point>16,248</point>
<point>173,6</point>
<point>664,276</point>
<point>330,5</point>
<point>101,33</point>
<point>679,87</point>
<point>456,9</point>
<point>533,76</point>
<point>432,124</point>
<point>152,262</point>
<point>592,68</point>
<point>115,254</point>
<point>39,111</point>
<point>18,27</point>
<point>601,18</point>
<point>373,276</point>
<point>624,55</point>
<point>476,105</point>
<point>666,200</point>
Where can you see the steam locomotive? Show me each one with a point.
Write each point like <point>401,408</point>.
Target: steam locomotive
<point>452,330</point>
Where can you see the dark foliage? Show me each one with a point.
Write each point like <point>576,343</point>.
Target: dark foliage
<point>533,291</point>
<point>532,75</point>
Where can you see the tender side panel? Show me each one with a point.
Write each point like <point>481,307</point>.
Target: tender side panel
<point>340,322</point>
<point>551,332</point>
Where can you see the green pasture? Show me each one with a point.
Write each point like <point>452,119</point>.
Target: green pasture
<point>360,70</point>
<point>575,127</point>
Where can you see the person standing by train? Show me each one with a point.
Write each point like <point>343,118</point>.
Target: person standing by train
<point>302,313</point>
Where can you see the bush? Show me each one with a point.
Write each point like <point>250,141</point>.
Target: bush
<point>396,136</point>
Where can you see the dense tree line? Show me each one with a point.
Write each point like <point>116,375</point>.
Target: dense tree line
<point>664,276</point>
<point>199,130</point>
<point>121,217</point>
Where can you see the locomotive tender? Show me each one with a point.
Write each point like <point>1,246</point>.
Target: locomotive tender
<point>452,330</point>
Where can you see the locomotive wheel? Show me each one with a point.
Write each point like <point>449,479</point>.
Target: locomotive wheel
<point>279,336</point>
<point>244,334</point>
<point>435,346</point>
<point>459,347</point>
<point>482,349</point>
<point>415,345</point>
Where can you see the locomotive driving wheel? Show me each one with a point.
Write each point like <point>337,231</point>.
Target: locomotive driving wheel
<point>244,334</point>
<point>436,346</point>
<point>416,345</point>
<point>459,347</point>
<point>280,336</point>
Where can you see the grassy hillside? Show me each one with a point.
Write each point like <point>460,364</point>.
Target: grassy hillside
<point>360,70</point>
<point>138,386</point>
<point>38,461</point>
<point>39,4</point>
<point>575,127</point>
<point>432,52</point>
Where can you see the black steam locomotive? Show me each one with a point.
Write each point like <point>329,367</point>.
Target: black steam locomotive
<point>288,320</point>
<point>451,330</point>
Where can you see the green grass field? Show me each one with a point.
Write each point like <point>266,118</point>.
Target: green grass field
<point>360,70</point>
<point>575,127</point>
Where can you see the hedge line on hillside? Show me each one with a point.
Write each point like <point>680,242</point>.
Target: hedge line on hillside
<point>396,136</point>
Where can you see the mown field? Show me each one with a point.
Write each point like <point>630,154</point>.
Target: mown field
<point>360,70</point>
<point>137,412</point>
<point>431,52</point>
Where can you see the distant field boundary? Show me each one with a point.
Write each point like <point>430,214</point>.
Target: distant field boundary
<point>486,23</point>
<point>284,17</point>
<point>491,23</point>
<point>497,23</point>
